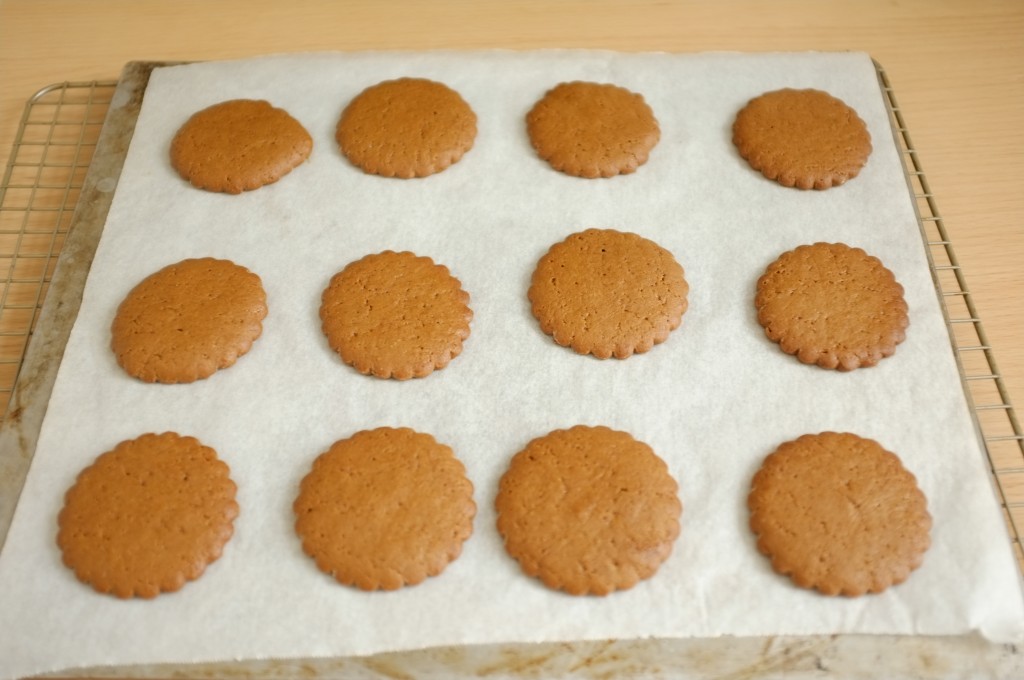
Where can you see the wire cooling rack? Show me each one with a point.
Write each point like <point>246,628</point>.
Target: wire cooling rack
<point>59,132</point>
<point>52,150</point>
<point>986,393</point>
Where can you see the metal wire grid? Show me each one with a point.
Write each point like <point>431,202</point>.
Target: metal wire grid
<point>57,137</point>
<point>986,393</point>
<point>52,150</point>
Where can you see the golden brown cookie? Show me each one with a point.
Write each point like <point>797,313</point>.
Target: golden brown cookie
<point>410,127</point>
<point>592,129</point>
<point>608,293</point>
<point>239,145</point>
<point>188,320</point>
<point>588,510</point>
<point>832,305</point>
<point>395,315</point>
<point>840,514</point>
<point>802,138</point>
<point>148,516</point>
<point>385,508</point>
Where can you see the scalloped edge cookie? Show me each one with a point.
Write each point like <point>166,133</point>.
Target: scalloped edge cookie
<point>588,510</point>
<point>608,293</point>
<point>805,139</point>
<point>384,509</point>
<point>147,516</point>
<point>832,305</point>
<point>839,514</point>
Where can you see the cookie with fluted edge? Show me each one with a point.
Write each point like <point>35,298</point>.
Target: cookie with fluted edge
<point>188,320</point>
<point>385,508</point>
<point>148,516</point>
<point>806,138</point>
<point>239,145</point>
<point>588,510</point>
<point>592,130</point>
<point>832,305</point>
<point>407,127</point>
<point>838,513</point>
<point>608,293</point>
<point>395,315</point>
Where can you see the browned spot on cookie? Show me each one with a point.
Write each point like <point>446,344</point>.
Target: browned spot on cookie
<point>385,508</point>
<point>188,320</point>
<point>608,293</point>
<point>592,129</point>
<point>588,510</point>
<point>148,516</point>
<point>410,127</point>
<point>840,514</point>
<point>239,145</point>
<point>395,315</point>
<point>832,305</point>
<point>802,138</point>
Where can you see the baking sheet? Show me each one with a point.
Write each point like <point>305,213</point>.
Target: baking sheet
<point>712,401</point>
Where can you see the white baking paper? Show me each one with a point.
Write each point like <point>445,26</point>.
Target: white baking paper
<point>712,401</point>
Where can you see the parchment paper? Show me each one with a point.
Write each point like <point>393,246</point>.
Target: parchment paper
<point>712,401</point>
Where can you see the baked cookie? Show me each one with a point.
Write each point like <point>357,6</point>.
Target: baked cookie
<point>188,320</point>
<point>239,145</point>
<point>148,516</point>
<point>395,315</point>
<point>839,514</point>
<point>832,305</point>
<point>608,293</point>
<point>410,127</point>
<point>385,508</point>
<point>592,129</point>
<point>802,138</point>
<point>588,510</point>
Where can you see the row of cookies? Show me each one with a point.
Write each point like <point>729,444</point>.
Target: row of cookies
<point>587,510</point>
<point>414,127</point>
<point>601,292</point>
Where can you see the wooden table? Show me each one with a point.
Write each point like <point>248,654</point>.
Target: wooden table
<point>957,67</point>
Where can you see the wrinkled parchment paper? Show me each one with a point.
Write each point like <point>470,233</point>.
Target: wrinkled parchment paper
<point>712,401</point>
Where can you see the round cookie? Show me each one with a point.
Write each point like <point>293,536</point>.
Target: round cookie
<point>147,516</point>
<point>395,315</point>
<point>838,513</point>
<point>608,293</point>
<point>592,130</point>
<point>409,127</point>
<point>239,145</point>
<point>385,508</point>
<point>832,305</point>
<point>588,510</point>
<point>806,139</point>
<point>188,320</point>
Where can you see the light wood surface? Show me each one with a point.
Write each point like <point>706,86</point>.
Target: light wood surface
<point>957,67</point>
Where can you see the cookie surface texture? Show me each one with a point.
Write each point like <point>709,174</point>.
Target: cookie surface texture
<point>832,305</point>
<point>806,139</point>
<point>409,127</point>
<point>147,516</point>
<point>385,508</point>
<point>608,293</point>
<point>592,130</point>
<point>188,320</point>
<point>395,315</point>
<point>838,513</point>
<point>588,510</point>
<point>239,145</point>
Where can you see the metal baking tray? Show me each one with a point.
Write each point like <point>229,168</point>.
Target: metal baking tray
<point>54,196</point>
